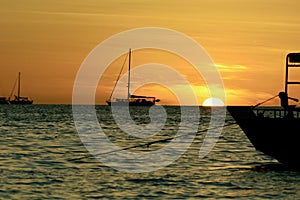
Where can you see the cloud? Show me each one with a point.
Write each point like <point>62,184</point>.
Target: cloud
<point>230,68</point>
<point>236,96</point>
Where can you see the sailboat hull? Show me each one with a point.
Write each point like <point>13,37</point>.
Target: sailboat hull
<point>21,102</point>
<point>3,100</point>
<point>147,103</point>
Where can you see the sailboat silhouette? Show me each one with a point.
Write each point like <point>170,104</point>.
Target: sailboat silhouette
<point>18,99</point>
<point>131,100</point>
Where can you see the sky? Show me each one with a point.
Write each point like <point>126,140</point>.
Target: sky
<point>248,40</point>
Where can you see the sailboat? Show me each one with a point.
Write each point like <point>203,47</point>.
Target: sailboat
<point>18,99</point>
<point>131,100</point>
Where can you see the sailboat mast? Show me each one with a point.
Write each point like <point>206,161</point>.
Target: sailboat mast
<point>129,62</point>
<point>19,85</point>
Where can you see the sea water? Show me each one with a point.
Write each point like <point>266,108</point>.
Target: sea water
<point>43,157</point>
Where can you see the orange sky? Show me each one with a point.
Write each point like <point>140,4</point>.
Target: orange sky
<point>48,40</point>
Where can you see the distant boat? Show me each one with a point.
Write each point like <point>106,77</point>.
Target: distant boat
<point>18,99</point>
<point>131,100</point>
<point>274,130</point>
<point>4,100</point>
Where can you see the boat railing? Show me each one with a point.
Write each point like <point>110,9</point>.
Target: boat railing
<point>277,112</point>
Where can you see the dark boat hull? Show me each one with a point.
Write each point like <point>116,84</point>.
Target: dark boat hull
<point>21,102</point>
<point>276,137</point>
<point>3,100</point>
<point>148,103</point>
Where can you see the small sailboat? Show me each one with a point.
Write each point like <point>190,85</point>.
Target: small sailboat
<point>18,99</point>
<point>131,100</point>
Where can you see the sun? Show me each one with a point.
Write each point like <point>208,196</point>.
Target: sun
<point>213,102</point>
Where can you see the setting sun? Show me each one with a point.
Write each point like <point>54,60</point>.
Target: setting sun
<point>213,102</point>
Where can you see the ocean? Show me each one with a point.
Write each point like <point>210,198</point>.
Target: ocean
<point>42,156</point>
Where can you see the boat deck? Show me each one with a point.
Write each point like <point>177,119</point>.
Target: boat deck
<point>277,112</point>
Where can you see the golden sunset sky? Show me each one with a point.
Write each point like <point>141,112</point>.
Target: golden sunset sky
<point>47,40</point>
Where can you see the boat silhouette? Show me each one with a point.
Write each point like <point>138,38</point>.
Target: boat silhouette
<point>18,99</point>
<point>274,130</point>
<point>131,100</point>
<point>4,100</point>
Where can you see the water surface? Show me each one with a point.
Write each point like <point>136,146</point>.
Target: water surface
<point>42,157</point>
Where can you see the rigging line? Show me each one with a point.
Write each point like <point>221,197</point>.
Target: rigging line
<point>118,77</point>
<point>265,101</point>
<point>13,89</point>
<point>147,144</point>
